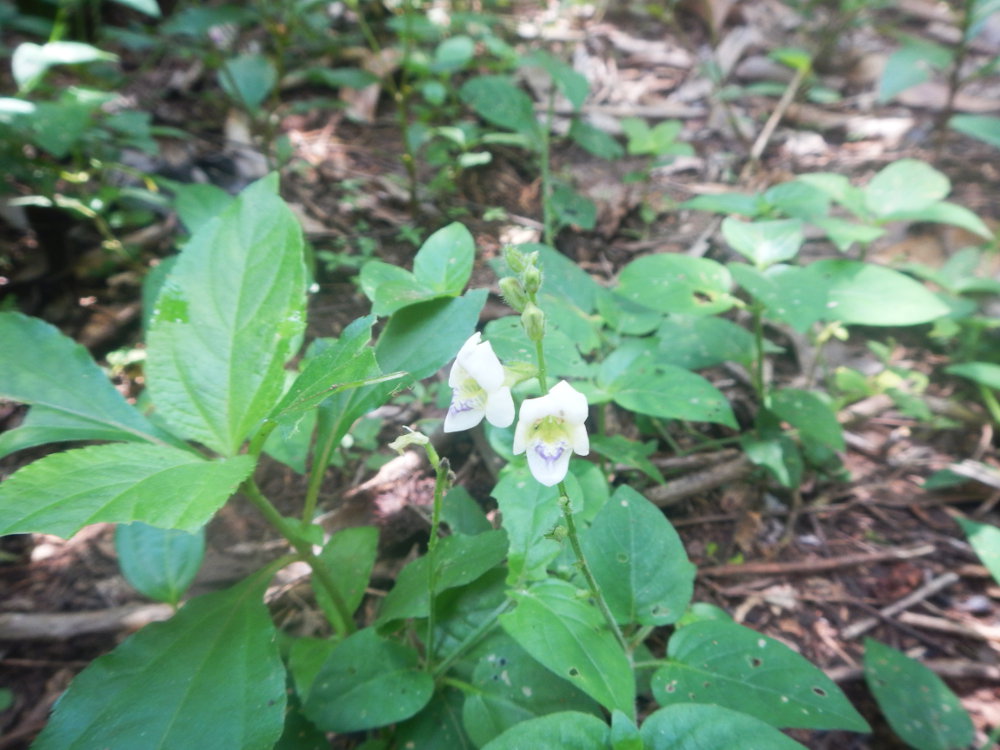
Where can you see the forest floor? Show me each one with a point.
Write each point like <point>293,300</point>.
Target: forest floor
<point>815,568</point>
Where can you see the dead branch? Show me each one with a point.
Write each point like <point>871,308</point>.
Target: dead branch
<point>699,481</point>
<point>814,566</point>
<point>927,590</point>
<point>58,626</point>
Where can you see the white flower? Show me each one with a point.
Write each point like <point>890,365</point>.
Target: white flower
<point>549,429</point>
<point>478,390</point>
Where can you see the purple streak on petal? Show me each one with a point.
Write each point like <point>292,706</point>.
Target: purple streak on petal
<point>457,407</point>
<point>550,457</point>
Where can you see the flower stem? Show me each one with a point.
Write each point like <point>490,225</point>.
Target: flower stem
<point>441,468</point>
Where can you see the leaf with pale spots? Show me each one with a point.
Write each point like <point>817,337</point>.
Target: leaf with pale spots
<point>719,662</point>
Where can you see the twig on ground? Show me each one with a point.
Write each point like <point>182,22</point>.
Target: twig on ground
<point>699,481</point>
<point>927,590</point>
<point>970,629</point>
<point>805,567</point>
<point>57,626</point>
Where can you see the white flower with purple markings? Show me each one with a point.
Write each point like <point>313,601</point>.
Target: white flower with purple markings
<point>478,390</point>
<point>550,429</point>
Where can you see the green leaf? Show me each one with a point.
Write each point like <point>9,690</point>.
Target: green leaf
<point>944,212</point>
<point>198,203</point>
<point>984,373</point>
<point>561,277</point>
<point>985,541</point>
<point>367,682</point>
<point>624,733</point>
<point>437,726</point>
<point>248,79</point>
<point>810,414</point>
<point>572,84</point>
<point>793,295</point>
<point>568,730</point>
<point>918,705</point>
<point>567,634</point>
<point>725,664</point>
<point>844,233</point>
<point>670,392</point>
<point>638,560</point>
<point>798,199</point>
<point>656,141</point>
<point>74,399</point>
<point>149,7</point>
<point>672,283</point>
<point>453,54</point>
<point>840,190</point>
<point>595,141</point>
<point>42,425</point>
<point>691,726</point>
<point>911,64</point>
<point>778,454</point>
<point>30,61</point>
<point>626,317</point>
<point>572,209</point>
<point>326,374</point>
<point>463,514</point>
<point>621,450</point>
<point>500,102</point>
<point>905,185</point>
<point>866,294</point>
<point>119,483</point>
<point>764,242</point>
<point>512,344</point>
<point>745,204</point>
<point>694,342</point>
<point>511,687</point>
<point>986,128</point>
<point>349,556</point>
<point>979,14</point>
<point>228,318</point>
<point>444,261</point>
<point>530,512</point>
<point>210,676</point>
<point>159,563</point>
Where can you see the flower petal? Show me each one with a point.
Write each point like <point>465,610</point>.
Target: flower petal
<point>549,461</point>
<point>463,414</point>
<point>482,364</point>
<point>568,403</point>
<point>500,407</point>
<point>580,440</point>
<point>458,371</point>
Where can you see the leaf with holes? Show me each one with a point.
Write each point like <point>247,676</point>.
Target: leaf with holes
<point>567,634</point>
<point>674,283</point>
<point>920,708</point>
<point>690,726</point>
<point>638,561</point>
<point>726,664</point>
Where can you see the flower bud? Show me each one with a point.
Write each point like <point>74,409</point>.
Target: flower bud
<point>408,439</point>
<point>515,259</point>
<point>532,280</point>
<point>533,320</point>
<point>513,292</point>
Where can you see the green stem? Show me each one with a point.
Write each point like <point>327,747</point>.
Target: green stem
<point>991,402</point>
<point>757,376</point>
<point>441,468</point>
<point>344,625</point>
<point>542,375</point>
<point>472,638</point>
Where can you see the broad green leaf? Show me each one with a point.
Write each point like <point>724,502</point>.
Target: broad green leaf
<point>228,318</point>
<point>42,425</point>
<point>674,283</point>
<point>920,708</point>
<point>437,726</point>
<point>562,315</point>
<point>500,102</point>
<point>694,726</point>
<point>866,294</point>
<point>444,262</point>
<point>327,373</point>
<point>944,212</point>
<point>810,414</point>
<point>512,344</point>
<point>57,375</point>
<point>210,676</point>
<point>30,61</point>
<point>844,233</point>
<point>530,512</point>
<point>911,64</point>
<point>764,242</point>
<point>571,209</point>
<point>695,341</point>
<point>568,730</point>
<point>624,733</point>
<point>248,79</point>
<point>793,295</point>
<point>511,687</point>
<point>453,54</point>
<point>621,450</point>
<point>660,140</point>
<point>626,317</point>
<point>118,483</point>
<point>984,373</point>
<point>778,454</point>
<point>638,560</point>
<point>745,204</point>
<point>463,514</point>
<point>159,563</point>
<point>198,203</point>
<point>905,185</point>
<point>349,556</point>
<point>670,392</point>
<point>728,665</point>
<point>595,141</point>
<point>466,610</point>
<point>367,682</point>
<point>840,190</point>
<point>798,199</point>
<point>984,127</point>
<point>305,659</point>
<point>567,634</point>
<point>351,78</point>
<point>985,541</point>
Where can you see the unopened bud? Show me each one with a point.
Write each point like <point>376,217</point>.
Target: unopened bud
<point>513,292</point>
<point>533,320</point>
<point>532,278</point>
<point>411,438</point>
<point>515,259</point>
